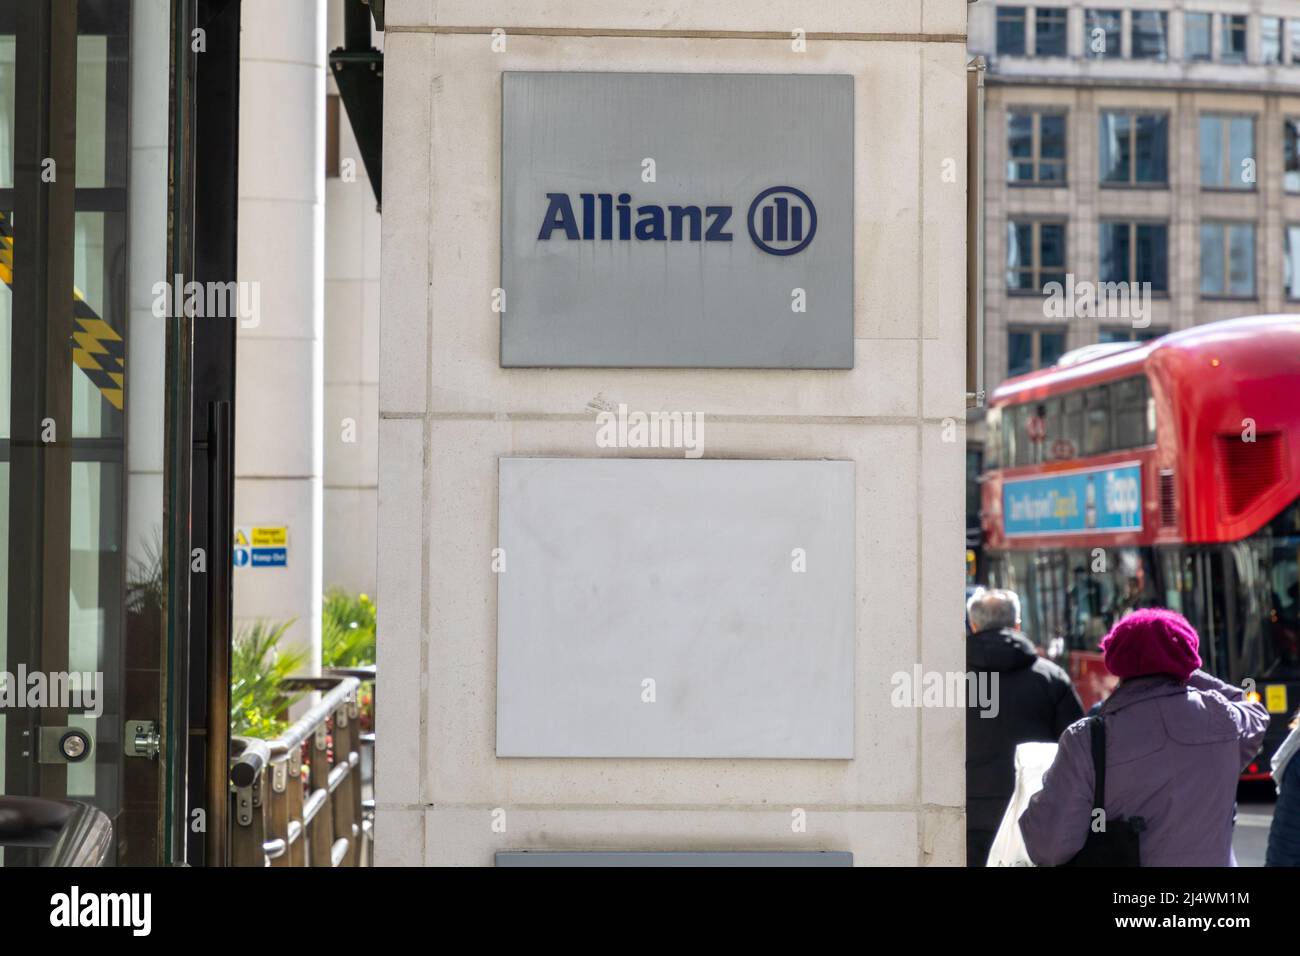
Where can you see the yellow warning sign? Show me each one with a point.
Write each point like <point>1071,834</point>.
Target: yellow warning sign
<point>265,546</point>
<point>1275,698</point>
<point>270,537</point>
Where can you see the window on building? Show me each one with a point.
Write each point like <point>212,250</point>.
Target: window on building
<point>1270,39</point>
<point>1049,31</point>
<point>1232,38</point>
<point>1291,157</point>
<point>1031,349</point>
<point>1196,36</point>
<point>1149,34</point>
<point>1035,147</point>
<point>1035,255</point>
<point>1126,333</point>
<point>1227,152</point>
<point>1135,252</point>
<point>1291,261</point>
<point>1294,27</point>
<point>1011,31</point>
<point>1228,259</point>
<point>1134,148</point>
<point>1102,28</point>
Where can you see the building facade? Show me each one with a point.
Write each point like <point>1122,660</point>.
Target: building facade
<point>482,555</point>
<point>1142,155</point>
<point>1138,142</point>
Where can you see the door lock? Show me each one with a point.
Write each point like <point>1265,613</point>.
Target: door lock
<point>141,739</point>
<point>63,745</point>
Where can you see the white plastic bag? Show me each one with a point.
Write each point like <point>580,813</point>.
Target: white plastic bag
<point>1032,761</point>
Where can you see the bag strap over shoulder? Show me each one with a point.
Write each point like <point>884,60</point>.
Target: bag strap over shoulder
<point>1098,762</point>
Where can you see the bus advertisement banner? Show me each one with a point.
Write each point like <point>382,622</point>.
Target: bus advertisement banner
<point>1074,502</point>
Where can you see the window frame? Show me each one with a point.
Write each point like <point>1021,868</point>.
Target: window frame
<point>1060,14</point>
<point>1209,35</point>
<point>1225,118</point>
<point>1281,40</point>
<point>1036,269</point>
<point>1291,124</point>
<point>1089,25</point>
<point>1163,18</point>
<point>1287,226</point>
<point>1036,330</point>
<point>1132,182</point>
<point>1133,225</point>
<point>1127,333</point>
<point>1231,24</point>
<point>1009,13</point>
<point>1035,158</point>
<point>1224,226</point>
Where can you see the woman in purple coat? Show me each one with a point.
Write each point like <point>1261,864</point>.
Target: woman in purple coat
<point>1176,741</point>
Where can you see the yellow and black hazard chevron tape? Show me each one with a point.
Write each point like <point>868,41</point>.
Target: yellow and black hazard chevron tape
<point>97,349</point>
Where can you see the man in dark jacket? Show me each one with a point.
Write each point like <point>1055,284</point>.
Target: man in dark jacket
<point>1035,701</point>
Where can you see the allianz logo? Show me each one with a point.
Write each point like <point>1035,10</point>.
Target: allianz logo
<point>781,220</point>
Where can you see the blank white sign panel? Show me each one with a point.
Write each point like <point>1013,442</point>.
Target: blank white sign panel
<point>675,608</point>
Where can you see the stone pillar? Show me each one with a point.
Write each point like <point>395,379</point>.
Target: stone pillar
<point>449,412</point>
<point>279,377</point>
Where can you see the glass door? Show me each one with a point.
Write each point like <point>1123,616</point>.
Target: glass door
<point>83,195</point>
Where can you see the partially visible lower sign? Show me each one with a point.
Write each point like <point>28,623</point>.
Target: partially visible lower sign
<point>1074,502</point>
<point>262,546</point>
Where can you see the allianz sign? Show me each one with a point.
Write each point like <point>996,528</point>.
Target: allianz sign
<point>781,220</point>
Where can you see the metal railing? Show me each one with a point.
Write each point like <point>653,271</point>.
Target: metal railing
<point>279,819</point>
<point>69,832</point>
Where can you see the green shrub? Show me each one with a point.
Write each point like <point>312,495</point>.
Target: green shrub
<point>347,635</point>
<point>258,669</point>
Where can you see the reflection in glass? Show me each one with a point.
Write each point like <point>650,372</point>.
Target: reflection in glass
<point>1049,31</point>
<point>1241,259</point>
<point>1232,38</point>
<point>1196,35</point>
<point>1270,39</point>
<point>1291,261</point>
<point>1011,31</point>
<point>1020,147</point>
<point>1103,33</point>
<point>1291,156</point>
<point>1149,34</point>
<point>1211,259</point>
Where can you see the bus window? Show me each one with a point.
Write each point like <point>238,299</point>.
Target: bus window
<point>1096,433</point>
<point>1276,656</point>
<point>1022,448</point>
<point>1012,440</point>
<point>1131,413</point>
<point>1088,602</point>
<point>1055,421</point>
<point>1172,579</point>
<point>993,444</point>
<point>1072,430</point>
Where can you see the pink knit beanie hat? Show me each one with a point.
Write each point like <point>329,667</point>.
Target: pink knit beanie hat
<point>1152,641</point>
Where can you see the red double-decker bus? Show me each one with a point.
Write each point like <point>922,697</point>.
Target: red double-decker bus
<point>1157,474</point>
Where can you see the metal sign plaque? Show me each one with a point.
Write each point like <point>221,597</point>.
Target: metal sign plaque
<point>657,220</point>
<point>674,608</point>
